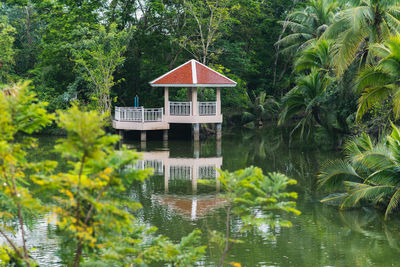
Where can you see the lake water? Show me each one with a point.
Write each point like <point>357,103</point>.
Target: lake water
<point>183,196</point>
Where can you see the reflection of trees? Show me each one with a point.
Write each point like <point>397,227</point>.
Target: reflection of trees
<point>321,236</point>
<point>325,237</point>
<point>268,149</point>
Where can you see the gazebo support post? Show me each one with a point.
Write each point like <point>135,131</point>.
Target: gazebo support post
<point>219,131</point>
<point>196,149</point>
<point>196,131</point>
<point>195,110</point>
<point>218,98</point>
<point>143,146</point>
<point>166,177</point>
<point>166,101</point>
<point>194,179</point>
<point>219,148</point>
<point>165,135</point>
<point>143,136</point>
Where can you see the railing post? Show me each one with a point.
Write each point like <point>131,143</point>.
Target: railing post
<point>116,114</point>
<point>218,102</point>
<point>142,114</point>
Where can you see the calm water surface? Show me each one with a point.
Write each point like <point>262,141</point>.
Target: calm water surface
<point>183,196</point>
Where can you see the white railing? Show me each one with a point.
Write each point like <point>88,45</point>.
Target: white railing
<point>207,108</point>
<point>180,173</point>
<point>157,165</point>
<point>138,114</point>
<point>207,172</point>
<point>180,108</point>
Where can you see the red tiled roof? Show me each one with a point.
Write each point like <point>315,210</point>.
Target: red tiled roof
<point>193,74</point>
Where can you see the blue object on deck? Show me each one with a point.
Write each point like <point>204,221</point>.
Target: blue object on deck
<point>136,101</point>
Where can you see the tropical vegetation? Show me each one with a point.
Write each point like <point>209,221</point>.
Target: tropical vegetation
<point>328,70</point>
<point>87,197</point>
<point>368,175</point>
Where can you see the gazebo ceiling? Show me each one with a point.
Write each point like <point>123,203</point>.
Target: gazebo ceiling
<point>192,74</point>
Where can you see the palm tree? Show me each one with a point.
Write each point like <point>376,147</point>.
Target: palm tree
<point>357,27</point>
<point>317,55</point>
<point>381,82</point>
<point>370,173</point>
<point>306,100</point>
<point>261,108</point>
<point>307,25</point>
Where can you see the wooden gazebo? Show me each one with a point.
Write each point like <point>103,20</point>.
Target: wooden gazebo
<point>190,75</point>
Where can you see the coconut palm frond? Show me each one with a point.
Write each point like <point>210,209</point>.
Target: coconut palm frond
<point>316,56</point>
<point>396,103</point>
<point>361,191</point>
<point>379,50</point>
<point>370,97</point>
<point>346,48</point>
<point>393,22</point>
<point>354,147</point>
<point>393,203</point>
<point>369,174</point>
<point>335,173</point>
<point>371,77</point>
<point>307,24</point>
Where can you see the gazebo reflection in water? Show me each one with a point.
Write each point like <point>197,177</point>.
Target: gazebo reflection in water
<point>184,172</point>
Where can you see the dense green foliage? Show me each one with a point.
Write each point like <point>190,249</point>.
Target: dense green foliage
<point>19,114</point>
<point>346,67</point>
<point>348,48</point>
<point>7,51</point>
<point>103,53</point>
<point>87,200</point>
<point>64,47</point>
<point>369,174</point>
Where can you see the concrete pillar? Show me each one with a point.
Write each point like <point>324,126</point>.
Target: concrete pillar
<point>143,136</point>
<point>194,179</point>
<point>196,132</point>
<point>219,148</point>
<point>143,145</point>
<point>165,135</point>
<point>195,109</point>
<point>218,100</point>
<point>219,131</point>
<point>166,101</point>
<point>196,149</point>
<point>193,213</point>
<point>166,178</point>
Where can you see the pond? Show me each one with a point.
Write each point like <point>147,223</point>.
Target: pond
<point>182,195</point>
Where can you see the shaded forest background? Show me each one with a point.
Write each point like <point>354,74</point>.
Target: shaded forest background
<point>161,34</point>
<point>327,69</point>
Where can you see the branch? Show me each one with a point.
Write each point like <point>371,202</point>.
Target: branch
<point>227,243</point>
<point>20,218</point>
<point>78,189</point>
<point>11,244</point>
